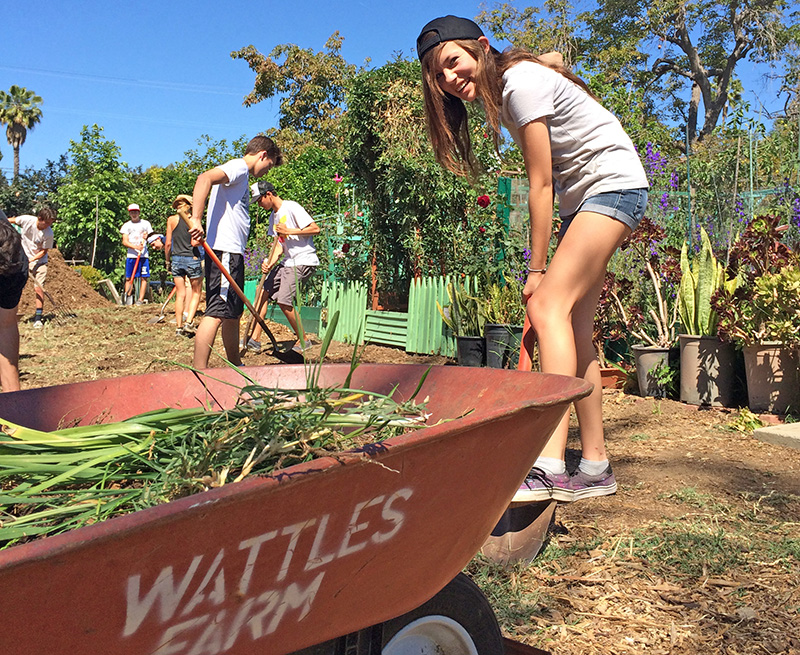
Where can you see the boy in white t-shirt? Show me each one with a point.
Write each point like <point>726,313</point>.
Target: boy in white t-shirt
<point>137,264</point>
<point>294,230</point>
<point>37,239</point>
<point>227,228</point>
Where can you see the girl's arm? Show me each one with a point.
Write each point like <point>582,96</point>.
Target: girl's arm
<point>535,141</point>
<point>172,222</point>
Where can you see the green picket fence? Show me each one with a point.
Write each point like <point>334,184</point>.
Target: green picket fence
<point>350,300</point>
<point>420,330</point>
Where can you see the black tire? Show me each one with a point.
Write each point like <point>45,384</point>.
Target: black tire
<point>461,602</point>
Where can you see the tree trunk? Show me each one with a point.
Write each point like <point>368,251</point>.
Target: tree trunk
<point>694,104</point>
<point>16,163</point>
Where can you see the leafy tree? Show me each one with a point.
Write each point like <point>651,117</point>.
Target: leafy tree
<point>551,27</point>
<point>423,219</point>
<point>211,153</point>
<point>94,196</point>
<point>699,44</point>
<point>33,188</point>
<point>311,87</point>
<point>19,110</point>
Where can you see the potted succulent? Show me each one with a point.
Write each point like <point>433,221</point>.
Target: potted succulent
<point>464,315</point>
<point>504,315</point>
<point>652,321</point>
<point>761,315</point>
<point>707,363</point>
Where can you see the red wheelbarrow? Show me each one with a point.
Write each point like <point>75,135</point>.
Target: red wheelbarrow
<point>357,554</point>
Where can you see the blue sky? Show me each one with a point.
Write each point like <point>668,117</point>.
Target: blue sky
<point>157,75</point>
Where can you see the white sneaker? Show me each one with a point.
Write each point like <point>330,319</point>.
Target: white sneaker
<point>38,325</point>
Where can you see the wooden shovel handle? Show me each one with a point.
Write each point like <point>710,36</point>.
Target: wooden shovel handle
<point>213,257</point>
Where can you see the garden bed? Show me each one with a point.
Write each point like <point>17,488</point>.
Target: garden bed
<point>699,551</point>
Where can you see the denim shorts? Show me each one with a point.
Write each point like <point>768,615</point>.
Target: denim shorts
<point>186,266</point>
<point>626,206</point>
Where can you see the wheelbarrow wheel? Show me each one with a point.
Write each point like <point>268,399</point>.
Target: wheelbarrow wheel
<point>456,621</point>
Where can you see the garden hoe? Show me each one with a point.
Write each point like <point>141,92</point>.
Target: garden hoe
<point>161,316</point>
<point>213,257</point>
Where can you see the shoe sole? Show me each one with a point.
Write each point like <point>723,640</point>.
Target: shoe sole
<point>537,495</point>
<point>594,492</point>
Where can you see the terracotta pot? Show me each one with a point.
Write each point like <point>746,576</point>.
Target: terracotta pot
<point>708,371</point>
<point>773,380</point>
<point>612,377</point>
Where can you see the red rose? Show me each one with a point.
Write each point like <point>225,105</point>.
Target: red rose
<point>346,247</point>
<point>482,229</point>
<point>484,201</point>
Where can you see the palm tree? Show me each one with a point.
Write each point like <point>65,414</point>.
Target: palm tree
<point>19,109</point>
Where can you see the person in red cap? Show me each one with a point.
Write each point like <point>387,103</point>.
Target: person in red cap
<point>575,149</point>
<point>137,263</point>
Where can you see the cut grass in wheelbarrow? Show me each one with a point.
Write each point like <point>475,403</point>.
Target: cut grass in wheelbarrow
<point>56,481</point>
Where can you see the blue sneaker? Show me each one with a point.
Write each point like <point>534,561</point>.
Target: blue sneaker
<point>540,485</point>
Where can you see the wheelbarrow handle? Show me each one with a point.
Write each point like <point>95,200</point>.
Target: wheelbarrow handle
<point>213,257</point>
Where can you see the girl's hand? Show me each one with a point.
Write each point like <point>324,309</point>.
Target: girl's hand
<point>531,284</point>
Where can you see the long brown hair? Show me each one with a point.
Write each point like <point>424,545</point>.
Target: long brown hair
<point>447,116</point>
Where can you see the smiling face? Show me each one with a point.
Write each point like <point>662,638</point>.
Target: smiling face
<point>134,215</point>
<point>456,70</point>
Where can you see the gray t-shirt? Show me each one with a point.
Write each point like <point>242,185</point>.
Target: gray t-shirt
<point>228,218</point>
<point>34,240</point>
<point>591,152</point>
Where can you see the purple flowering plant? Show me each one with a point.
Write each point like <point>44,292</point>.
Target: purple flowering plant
<point>254,254</point>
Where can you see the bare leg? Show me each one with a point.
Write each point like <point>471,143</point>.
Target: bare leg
<point>230,339</point>
<point>9,349</point>
<point>291,316</point>
<point>204,341</point>
<point>143,288</point>
<point>180,295</point>
<point>39,296</point>
<point>562,312</point>
<point>262,312</point>
<point>197,288</point>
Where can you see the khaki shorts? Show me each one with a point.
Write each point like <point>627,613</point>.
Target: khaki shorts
<point>38,271</point>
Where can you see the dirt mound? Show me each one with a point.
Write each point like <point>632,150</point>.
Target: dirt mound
<point>65,285</point>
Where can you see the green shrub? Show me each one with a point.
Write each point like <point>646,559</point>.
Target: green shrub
<point>91,275</point>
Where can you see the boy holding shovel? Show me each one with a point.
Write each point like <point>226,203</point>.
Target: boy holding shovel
<point>134,238</point>
<point>293,230</point>
<point>228,224</point>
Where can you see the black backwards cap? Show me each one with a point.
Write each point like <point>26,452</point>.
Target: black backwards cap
<point>260,188</point>
<point>446,28</point>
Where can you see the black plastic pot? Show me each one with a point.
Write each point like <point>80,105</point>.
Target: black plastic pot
<point>470,351</point>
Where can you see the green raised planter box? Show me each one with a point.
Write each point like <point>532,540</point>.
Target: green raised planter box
<point>310,316</point>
